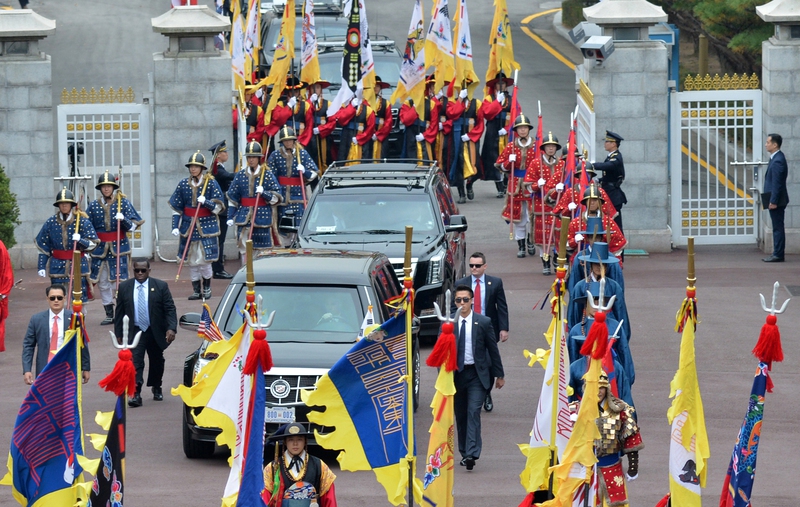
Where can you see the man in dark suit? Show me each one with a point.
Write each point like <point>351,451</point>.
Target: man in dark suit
<point>613,170</point>
<point>45,335</point>
<point>775,186</point>
<point>478,362</point>
<point>219,152</point>
<point>148,304</point>
<point>490,300</point>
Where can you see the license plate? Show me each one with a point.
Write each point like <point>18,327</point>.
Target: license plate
<point>280,414</point>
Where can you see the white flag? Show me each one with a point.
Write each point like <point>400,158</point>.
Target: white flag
<point>309,38</point>
<point>251,33</point>
<point>237,48</point>
<point>369,319</point>
<point>439,29</point>
<point>463,38</point>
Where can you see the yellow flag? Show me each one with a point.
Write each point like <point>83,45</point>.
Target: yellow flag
<point>688,437</point>
<point>439,44</point>
<point>282,59</point>
<point>501,53</point>
<point>309,54</point>
<point>440,459</point>
<point>237,47</point>
<point>462,48</point>
<point>412,72</point>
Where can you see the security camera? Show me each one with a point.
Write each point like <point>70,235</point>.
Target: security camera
<point>597,48</point>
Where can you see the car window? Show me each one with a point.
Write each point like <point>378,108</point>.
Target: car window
<point>371,213</point>
<point>445,200</point>
<point>306,313</point>
<point>328,29</point>
<point>330,69</point>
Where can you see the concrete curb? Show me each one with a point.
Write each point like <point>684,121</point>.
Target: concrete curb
<point>561,29</point>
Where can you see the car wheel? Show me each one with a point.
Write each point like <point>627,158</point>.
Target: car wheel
<point>194,449</point>
<point>415,378</point>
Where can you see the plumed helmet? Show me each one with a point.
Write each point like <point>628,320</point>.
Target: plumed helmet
<point>592,192</point>
<point>65,195</point>
<point>603,380</point>
<point>522,121</point>
<point>197,158</point>
<point>286,133</point>
<point>253,149</point>
<point>106,179</point>
<point>550,139</point>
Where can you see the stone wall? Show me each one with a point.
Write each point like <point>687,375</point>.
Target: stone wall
<point>780,85</point>
<point>192,110</point>
<point>26,147</point>
<point>631,99</point>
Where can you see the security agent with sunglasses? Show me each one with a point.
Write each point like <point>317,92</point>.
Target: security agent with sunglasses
<point>478,362</point>
<point>45,335</point>
<point>148,304</point>
<point>489,299</point>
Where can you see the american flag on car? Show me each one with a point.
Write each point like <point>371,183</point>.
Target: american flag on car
<point>208,329</point>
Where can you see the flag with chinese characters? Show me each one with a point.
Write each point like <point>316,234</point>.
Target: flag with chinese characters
<point>252,38</point>
<point>412,72</point>
<point>309,54</point>
<point>462,48</point>
<point>501,52</point>
<point>365,400</point>
<point>282,59</point>
<point>439,44</point>
<point>237,47</point>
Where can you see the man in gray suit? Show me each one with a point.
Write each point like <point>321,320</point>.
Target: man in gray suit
<point>45,335</point>
<point>478,361</point>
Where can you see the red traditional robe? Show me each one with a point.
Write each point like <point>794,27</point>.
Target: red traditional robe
<point>616,240</point>
<point>6,283</point>
<point>517,194</point>
<point>545,232</point>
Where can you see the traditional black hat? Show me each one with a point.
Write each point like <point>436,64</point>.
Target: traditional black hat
<point>197,158</point>
<point>286,133</point>
<point>550,139</point>
<point>613,137</point>
<point>106,179</point>
<point>522,121</point>
<point>500,75</point>
<point>381,83</point>
<point>294,429</point>
<point>592,192</point>
<point>294,83</point>
<point>65,195</point>
<point>253,149</point>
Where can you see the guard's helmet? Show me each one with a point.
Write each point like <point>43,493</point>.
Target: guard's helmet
<point>286,133</point>
<point>522,121</point>
<point>65,195</point>
<point>253,149</point>
<point>106,179</point>
<point>592,192</point>
<point>550,139</point>
<point>603,380</point>
<point>197,158</point>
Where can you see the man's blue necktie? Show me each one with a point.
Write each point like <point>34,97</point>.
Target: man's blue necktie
<point>462,338</point>
<point>142,318</point>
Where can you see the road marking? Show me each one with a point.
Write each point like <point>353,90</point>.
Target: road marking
<point>715,172</point>
<point>547,47</point>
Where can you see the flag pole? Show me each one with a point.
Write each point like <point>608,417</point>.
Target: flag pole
<point>408,303</point>
<point>119,228</point>
<point>558,335</point>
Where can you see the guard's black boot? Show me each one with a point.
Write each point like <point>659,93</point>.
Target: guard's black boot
<point>521,245</point>
<point>531,246</point>
<point>206,288</point>
<point>196,288</point>
<point>109,315</point>
<point>545,266</point>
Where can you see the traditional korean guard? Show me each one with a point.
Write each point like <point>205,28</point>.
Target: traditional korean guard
<point>293,167</point>
<point>61,234</point>
<point>517,159</point>
<point>420,133</point>
<point>495,109</point>
<point>594,206</point>
<point>254,188</point>
<point>113,217</point>
<point>384,120</point>
<point>544,167</point>
<point>320,149</point>
<point>196,203</point>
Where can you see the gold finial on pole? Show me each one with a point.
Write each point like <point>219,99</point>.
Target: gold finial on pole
<point>562,243</point>
<point>77,286</point>
<point>407,259</point>
<point>690,277</point>
<point>251,277</point>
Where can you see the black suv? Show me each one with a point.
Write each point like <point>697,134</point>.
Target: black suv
<point>366,206</point>
<point>320,298</point>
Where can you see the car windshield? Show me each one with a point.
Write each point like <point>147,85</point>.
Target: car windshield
<point>328,29</point>
<point>371,214</point>
<point>330,69</point>
<point>306,313</point>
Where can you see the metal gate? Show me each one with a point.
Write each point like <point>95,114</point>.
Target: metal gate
<point>715,133</point>
<point>105,131</point>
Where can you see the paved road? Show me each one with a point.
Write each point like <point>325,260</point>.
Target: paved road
<point>729,280</point>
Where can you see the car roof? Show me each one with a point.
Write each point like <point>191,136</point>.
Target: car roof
<point>311,266</point>
<point>403,174</point>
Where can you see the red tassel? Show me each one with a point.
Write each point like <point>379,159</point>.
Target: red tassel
<point>122,378</point>
<point>444,352</point>
<point>597,338</point>
<point>664,502</point>
<point>528,501</point>
<point>768,348</point>
<point>259,353</point>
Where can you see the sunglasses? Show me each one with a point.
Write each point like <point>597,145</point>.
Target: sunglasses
<point>56,298</point>
<point>462,300</point>
<point>476,265</point>
<point>139,270</point>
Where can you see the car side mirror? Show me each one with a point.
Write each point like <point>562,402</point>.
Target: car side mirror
<point>288,224</point>
<point>458,223</point>
<point>190,321</point>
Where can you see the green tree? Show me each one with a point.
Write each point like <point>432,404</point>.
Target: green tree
<point>9,210</point>
<point>736,22</point>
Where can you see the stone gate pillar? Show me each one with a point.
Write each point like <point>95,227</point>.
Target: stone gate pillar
<point>631,97</point>
<point>780,66</point>
<point>191,102</point>
<point>26,125</point>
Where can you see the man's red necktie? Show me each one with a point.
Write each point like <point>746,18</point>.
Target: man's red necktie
<point>53,338</point>
<point>476,306</point>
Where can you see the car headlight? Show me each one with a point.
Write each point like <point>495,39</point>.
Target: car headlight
<point>436,268</point>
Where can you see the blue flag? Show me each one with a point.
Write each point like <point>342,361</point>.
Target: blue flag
<point>742,469</point>
<point>108,487</point>
<point>253,470</point>
<point>47,436</point>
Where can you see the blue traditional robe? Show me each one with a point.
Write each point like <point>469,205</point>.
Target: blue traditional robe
<point>102,213</point>
<point>242,200</point>
<point>578,271</point>
<point>206,230</point>
<point>284,165</point>
<point>55,245</point>
<point>579,368</point>
<point>619,312</point>
<point>577,336</point>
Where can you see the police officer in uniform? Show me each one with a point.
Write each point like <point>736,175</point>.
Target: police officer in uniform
<point>198,195</point>
<point>255,187</point>
<point>108,210</point>
<point>219,155</point>
<point>58,237</point>
<point>613,174</point>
